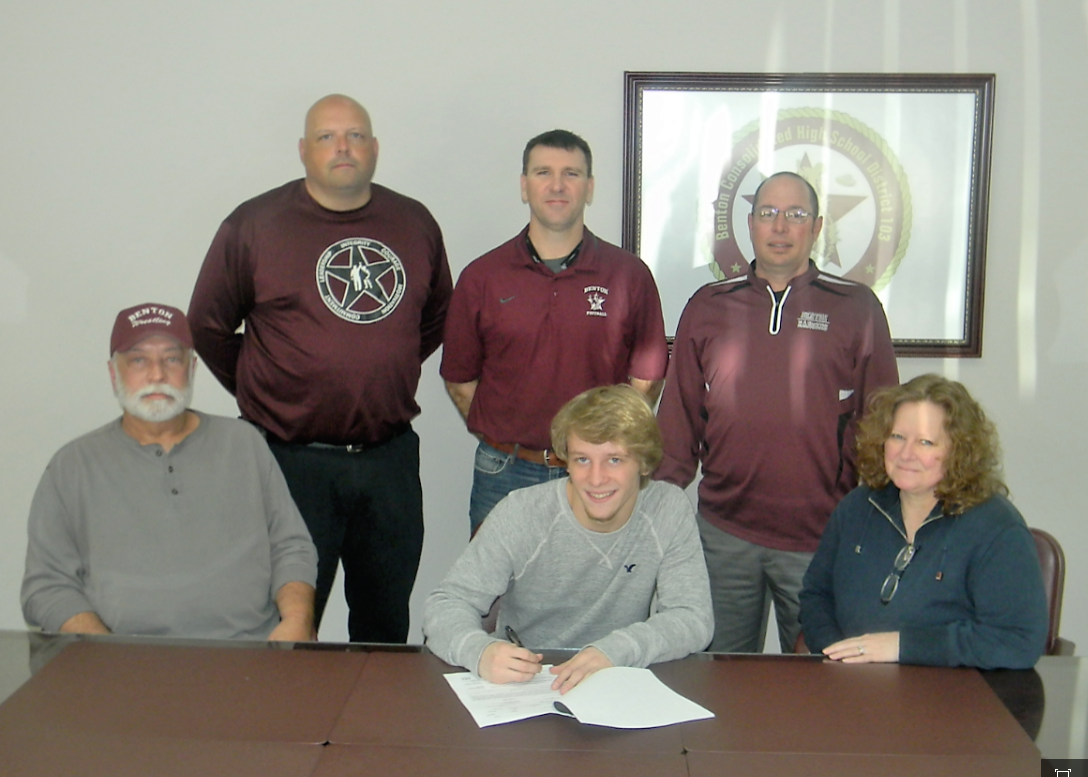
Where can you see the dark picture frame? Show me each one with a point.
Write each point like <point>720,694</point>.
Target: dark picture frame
<point>901,163</point>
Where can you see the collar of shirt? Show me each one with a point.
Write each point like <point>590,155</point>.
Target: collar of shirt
<point>564,263</point>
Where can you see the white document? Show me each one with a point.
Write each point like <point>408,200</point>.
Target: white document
<point>491,704</point>
<point>618,697</point>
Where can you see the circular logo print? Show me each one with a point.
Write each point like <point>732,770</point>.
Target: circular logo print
<point>864,197</point>
<point>360,280</point>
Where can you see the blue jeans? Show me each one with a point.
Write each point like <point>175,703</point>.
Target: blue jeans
<point>496,474</point>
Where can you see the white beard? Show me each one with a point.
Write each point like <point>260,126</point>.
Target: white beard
<point>154,410</point>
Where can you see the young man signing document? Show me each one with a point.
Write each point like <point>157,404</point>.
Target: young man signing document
<point>605,561</point>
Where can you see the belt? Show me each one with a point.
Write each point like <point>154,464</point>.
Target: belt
<point>357,447</point>
<point>547,457</point>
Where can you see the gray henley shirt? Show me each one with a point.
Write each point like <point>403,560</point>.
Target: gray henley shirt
<point>194,542</point>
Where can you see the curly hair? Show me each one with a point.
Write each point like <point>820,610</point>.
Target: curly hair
<point>618,414</point>
<point>972,469</point>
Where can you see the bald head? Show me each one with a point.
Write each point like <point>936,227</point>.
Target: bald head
<point>814,201</point>
<point>335,101</point>
<point>340,153</point>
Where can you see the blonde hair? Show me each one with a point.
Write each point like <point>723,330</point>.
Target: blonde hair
<point>618,414</point>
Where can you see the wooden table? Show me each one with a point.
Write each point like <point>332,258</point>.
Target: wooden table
<point>127,707</point>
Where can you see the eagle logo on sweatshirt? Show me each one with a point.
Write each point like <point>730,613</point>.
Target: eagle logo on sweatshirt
<point>360,280</point>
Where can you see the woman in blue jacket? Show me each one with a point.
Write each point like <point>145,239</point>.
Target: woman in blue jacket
<point>927,562</point>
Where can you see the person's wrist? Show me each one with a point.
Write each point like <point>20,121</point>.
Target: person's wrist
<point>301,622</point>
<point>483,666</point>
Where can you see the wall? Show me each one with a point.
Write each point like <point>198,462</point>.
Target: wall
<point>130,129</point>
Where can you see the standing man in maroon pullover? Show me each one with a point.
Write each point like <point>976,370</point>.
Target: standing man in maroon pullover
<point>769,374</point>
<point>343,287</point>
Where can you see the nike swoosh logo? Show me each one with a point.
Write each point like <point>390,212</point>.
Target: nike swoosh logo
<point>504,301</point>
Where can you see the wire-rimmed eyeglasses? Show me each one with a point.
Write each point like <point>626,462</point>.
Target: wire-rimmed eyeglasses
<point>891,582</point>
<point>793,215</point>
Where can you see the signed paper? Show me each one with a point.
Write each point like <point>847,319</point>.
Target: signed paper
<point>491,704</point>
<point>618,697</point>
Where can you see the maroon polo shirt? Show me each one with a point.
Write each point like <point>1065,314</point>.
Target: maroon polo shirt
<point>535,339</point>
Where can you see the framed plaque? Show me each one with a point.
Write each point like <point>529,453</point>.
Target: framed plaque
<point>900,163</point>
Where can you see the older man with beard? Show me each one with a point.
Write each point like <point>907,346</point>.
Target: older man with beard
<point>167,521</point>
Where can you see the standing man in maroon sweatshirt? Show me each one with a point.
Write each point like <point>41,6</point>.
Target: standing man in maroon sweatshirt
<point>343,287</point>
<point>769,374</point>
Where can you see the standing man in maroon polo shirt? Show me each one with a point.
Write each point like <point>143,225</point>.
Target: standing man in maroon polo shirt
<point>343,286</point>
<point>542,318</point>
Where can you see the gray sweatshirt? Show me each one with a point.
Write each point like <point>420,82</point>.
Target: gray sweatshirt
<point>194,542</point>
<point>640,594</point>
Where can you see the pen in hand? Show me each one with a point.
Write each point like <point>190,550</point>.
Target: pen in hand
<point>512,636</point>
<point>504,662</point>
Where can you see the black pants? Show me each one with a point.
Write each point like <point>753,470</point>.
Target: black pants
<point>365,509</point>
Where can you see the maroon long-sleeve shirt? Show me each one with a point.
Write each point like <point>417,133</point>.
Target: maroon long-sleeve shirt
<point>340,310</point>
<point>766,394</point>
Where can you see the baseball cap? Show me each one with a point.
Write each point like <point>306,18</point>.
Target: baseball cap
<point>142,321</point>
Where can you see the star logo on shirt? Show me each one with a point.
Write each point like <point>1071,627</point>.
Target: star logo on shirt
<point>596,296</point>
<point>360,280</point>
